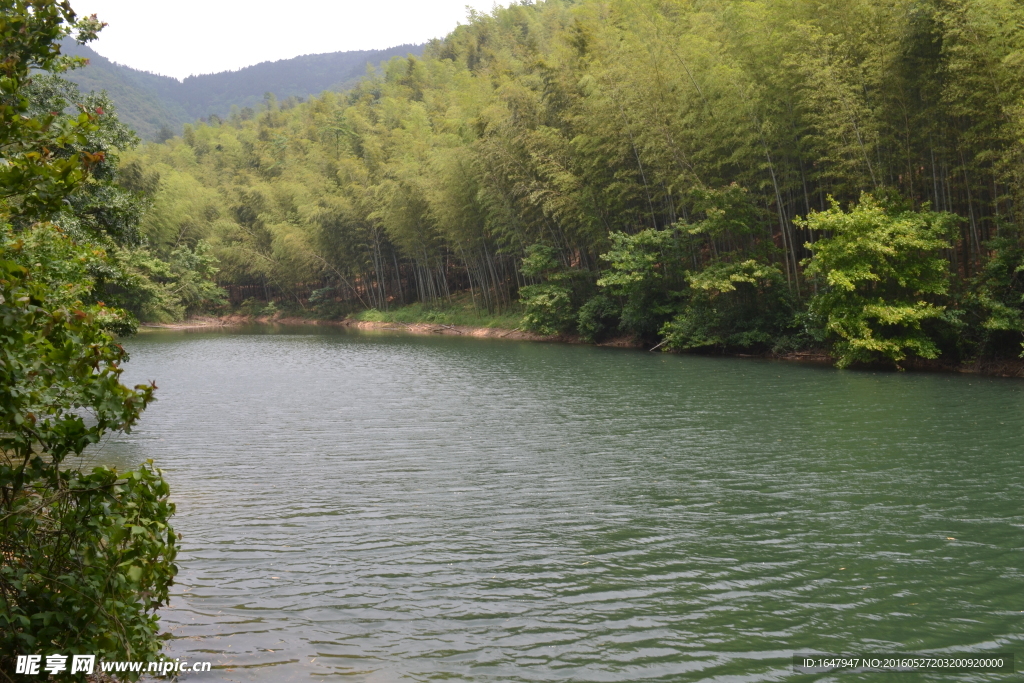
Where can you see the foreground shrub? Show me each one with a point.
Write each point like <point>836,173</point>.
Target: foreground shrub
<point>88,561</point>
<point>87,557</point>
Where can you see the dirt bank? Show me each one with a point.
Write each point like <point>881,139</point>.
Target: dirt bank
<point>412,328</point>
<point>205,322</point>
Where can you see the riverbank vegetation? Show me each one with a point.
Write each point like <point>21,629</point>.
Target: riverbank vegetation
<point>774,174</point>
<point>88,556</point>
<point>460,312</point>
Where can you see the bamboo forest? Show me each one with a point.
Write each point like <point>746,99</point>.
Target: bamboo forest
<point>761,176</point>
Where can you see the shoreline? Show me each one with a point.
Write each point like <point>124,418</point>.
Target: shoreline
<point>203,322</point>
<point>1013,369</point>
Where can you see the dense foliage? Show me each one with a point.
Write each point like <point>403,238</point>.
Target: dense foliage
<point>87,556</point>
<point>682,161</point>
<point>880,271</point>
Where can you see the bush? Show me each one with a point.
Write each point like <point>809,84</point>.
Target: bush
<point>255,308</point>
<point>994,304</point>
<point>438,317</point>
<point>744,305</point>
<point>881,279</point>
<point>548,307</point>
<point>89,560</point>
<point>88,557</point>
<point>640,271</point>
<point>598,319</point>
<point>372,315</point>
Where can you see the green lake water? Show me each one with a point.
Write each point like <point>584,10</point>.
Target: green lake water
<point>373,507</point>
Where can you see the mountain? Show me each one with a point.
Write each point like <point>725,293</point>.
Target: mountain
<point>154,104</point>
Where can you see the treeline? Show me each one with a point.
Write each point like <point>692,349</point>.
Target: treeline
<point>757,175</point>
<point>157,106</point>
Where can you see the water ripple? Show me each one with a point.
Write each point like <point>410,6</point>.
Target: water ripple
<point>386,507</point>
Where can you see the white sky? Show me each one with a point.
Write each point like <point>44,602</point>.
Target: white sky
<point>184,37</point>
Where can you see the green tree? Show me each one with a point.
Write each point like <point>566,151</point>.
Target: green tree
<point>882,278</point>
<point>641,271</point>
<point>734,305</point>
<point>548,305</point>
<point>88,556</point>
<point>994,303</point>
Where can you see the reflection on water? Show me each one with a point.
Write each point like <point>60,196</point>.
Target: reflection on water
<point>416,508</point>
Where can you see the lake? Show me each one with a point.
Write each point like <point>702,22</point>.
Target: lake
<point>385,507</point>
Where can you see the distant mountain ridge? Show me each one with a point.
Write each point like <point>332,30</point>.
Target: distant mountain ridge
<point>154,104</point>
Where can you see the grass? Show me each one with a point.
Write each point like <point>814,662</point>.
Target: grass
<point>461,312</point>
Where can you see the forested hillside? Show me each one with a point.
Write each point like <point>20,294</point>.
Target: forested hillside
<point>773,174</point>
<point>157,106</point>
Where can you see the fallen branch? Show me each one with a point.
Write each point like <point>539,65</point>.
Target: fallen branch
<point>655,348</point>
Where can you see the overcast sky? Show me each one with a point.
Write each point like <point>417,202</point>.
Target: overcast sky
<point>186,37</point>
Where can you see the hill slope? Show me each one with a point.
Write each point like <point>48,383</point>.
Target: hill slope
<point>150,102</point>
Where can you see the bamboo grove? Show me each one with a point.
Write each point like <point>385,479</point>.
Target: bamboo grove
<point>662,168</point>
